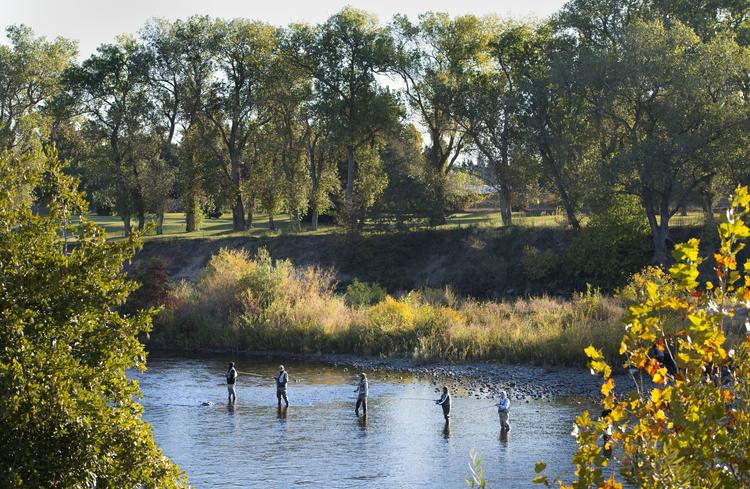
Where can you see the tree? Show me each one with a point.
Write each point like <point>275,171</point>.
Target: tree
<point>557,114</point>
<point>692,429</point>
<point>67,407</point>
<point>669,129</point>
<point>110,87</point>
<point>244,54</point>
<point>199,155</point>
<point>320,155</point>
<point>30,77</point>
<point>405,199</point>
<point>433,59</point>
<point>288,102</point>
<point>492,114</point>
<point>343,57</point>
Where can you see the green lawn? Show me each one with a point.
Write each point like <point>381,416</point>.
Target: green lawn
<point>174,224</point>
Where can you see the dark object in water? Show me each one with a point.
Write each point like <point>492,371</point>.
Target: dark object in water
<point>207,403</point>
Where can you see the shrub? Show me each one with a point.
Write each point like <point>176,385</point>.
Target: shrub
<point>690,428</point>
<point>614,245</point>
<point>539,265</point>
<point>360,294</point>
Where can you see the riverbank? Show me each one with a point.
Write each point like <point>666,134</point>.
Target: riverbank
<point>258,304</point>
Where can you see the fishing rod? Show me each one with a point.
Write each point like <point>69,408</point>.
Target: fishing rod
<point>254,375</point>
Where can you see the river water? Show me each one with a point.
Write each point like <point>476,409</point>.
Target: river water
<point>319,442</point>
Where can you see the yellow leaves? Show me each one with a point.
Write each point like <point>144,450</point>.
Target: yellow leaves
<point>687,251</point>
<point>600,366</point>
<point>659,416</point>
<point>593,353</point>
<point>597,365</point>
<point>611,483</point>
<point>659,397</point>
<point>618,412</point>
<point>608,386</point>
<point>660,377</point>
<point>726,262</point>
<point>741,197</point>
<point>727,396</point>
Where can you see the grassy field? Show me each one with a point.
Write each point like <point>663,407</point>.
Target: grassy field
<point>174,224</point>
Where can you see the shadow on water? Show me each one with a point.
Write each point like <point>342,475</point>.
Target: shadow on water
<point>447,430</point>
<point>319,442</point>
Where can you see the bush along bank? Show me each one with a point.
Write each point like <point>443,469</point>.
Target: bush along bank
<point>255,303</point>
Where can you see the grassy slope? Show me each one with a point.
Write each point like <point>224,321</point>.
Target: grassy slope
<point>471,253</point>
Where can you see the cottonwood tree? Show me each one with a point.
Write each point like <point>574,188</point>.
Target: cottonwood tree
<point>557,115</point>
<point>491,112</point>
<point>30,77</point>
<point>199,156</point>
<point>244,55</point>
<point>670,128</point>
<point>289,97</point>
<point>432,59</point>
<point>111,88</point>
<point>343,56</point>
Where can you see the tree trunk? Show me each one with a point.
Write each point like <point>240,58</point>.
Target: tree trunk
<point>349,175</point>
<point>160,222</point>
<point>191,221</point>
<point>707,202</point>
<point>314,216</point>
<point>250,213</point>
<point>296,221</point>
<point>238,209</point>
<point>561,190</point>
<point>505,208</point>
<point>659,229</point>
<point>141,219</point>
<point>271,223</point>
<point>127,230</point>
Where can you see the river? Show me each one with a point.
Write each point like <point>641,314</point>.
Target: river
<point>319,442</point>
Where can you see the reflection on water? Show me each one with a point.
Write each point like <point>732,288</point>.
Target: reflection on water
<point>403,442</point>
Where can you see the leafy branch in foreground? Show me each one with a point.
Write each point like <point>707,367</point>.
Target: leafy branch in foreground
<point>687,422</point>
<point>68,416</point>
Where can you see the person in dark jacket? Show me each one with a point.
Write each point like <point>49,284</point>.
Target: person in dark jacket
<point>445,402</point>
<point>281,381</point>
<point>362,389</point>
<point>231,381</point>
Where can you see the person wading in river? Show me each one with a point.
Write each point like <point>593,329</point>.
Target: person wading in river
<point>502,409</point>
<point>231,380</point>
<point>445,402</point>
<point>281,381</point>
<point>361,391</point>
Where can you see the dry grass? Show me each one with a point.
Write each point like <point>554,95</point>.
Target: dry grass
<point>241,303</point>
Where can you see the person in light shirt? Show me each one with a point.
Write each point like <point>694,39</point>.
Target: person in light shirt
<point>503,406</point>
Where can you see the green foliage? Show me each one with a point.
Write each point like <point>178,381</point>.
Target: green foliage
<point>360,294</point>
<point>68,412</point>
<point>690,426</point>
<point>613,245</point>
<point>477,473</point>
<point>539,265</point>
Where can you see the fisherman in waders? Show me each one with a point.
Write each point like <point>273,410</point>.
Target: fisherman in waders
<point>281,382</point>
<point>445,402</point>
<point>231,380</point>
<point>502,409</point>
<point>361,391</point>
